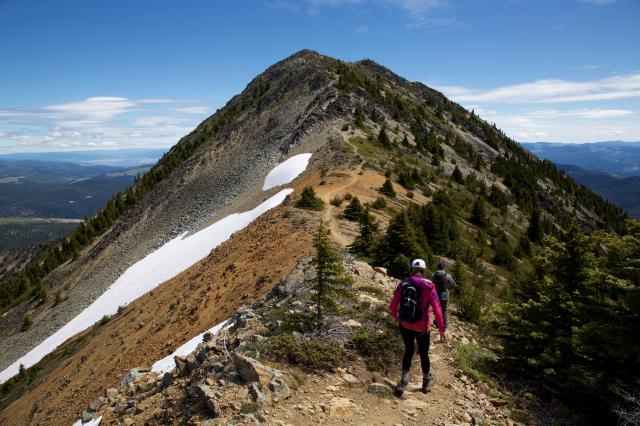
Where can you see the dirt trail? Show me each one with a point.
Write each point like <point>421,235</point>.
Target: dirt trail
<point>329,215</point>
<point>329,399</point>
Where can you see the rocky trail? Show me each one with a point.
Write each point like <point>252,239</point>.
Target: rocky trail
<point>222,383</point>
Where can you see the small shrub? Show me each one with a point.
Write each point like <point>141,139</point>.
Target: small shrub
<point>313,354</point>
<point>309,201</point>
<point>347,197</point>
<point>475,362</point>
<point>249,408</point>
<point>354,210</point>
<point>57,299</point>
<point>410,194</point>
<point>379,203</point>
<point>381,391</point>
<point>336,201</point>
<point>387,189</point>
<point>377,348</point>
<point>286,214</point>
<point>373,290</point>
<point>27,322</point>
<point>345,127</point>
<point>297,321</point>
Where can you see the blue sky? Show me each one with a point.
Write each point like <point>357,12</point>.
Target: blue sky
<point>80,74</point>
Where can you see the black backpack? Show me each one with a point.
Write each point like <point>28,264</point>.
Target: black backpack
<point>409,307</point>
<point>440,280</point>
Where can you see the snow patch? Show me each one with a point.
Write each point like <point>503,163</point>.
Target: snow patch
<point>168,261</point>
<point>94,422</point>
<point>286,171</point>
<point>167,363</point>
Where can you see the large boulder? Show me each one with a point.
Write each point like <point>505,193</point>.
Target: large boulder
<point>251,370</point>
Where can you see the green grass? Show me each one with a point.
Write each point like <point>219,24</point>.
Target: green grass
<point>366,148</point>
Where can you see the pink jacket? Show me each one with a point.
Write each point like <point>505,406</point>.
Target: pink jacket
<point>428,297</point>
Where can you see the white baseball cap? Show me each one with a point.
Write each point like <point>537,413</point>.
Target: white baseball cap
<point>419,264</point>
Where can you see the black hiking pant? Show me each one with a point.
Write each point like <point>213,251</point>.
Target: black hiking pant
<point>423,339</point>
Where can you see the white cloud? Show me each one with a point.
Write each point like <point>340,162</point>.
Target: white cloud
<point>195,110</point>
<point>552,91</point>
<point>594,113</point>
<point>578,125</point>
<point>101,121</point>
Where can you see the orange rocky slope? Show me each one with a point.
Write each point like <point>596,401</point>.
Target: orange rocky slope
<point>239,271</point>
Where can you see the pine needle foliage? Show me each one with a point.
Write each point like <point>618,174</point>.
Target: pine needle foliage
<point>331,279</point>
<point>309,201</point>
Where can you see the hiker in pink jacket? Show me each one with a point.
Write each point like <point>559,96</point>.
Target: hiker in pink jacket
<point>410,306</point>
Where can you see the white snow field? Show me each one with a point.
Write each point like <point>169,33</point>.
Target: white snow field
<point>168,261</point>
<point>286,171</point>
<point>167,363</point>
<point>94,422</point>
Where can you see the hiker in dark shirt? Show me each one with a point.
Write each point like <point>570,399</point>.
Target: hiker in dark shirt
<point>443,282</point>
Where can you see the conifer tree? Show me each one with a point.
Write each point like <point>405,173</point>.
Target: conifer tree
<point>400,238</point>
<point>504,252</point>
<point>478,213</point>
<point>309,201</point>
<point>330,280</point>
<point>359,117</point>
<point>534,231</point>
<point>365,243</point>
<point>383,138</point>
<point>387,189</point>
<point>457,175</point>
<point>354,210</point>
<point>470,298</point>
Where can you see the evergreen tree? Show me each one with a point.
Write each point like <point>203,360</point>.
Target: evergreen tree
<point>400,238</point>
<point>379,203</point>
<point>387,189</point>
<point>504,252</point>
<point>354,210</point>
<point>479,214</point>
<point>330,280</point>
<point>309,201</point>
<point>457,175</point>
<point>470,298</point>
<point>399,266</point>
<point>534,231</point>
<point>405,140</point>
<point>365,244</point>
<point>383,138</point>
<point>359,117</point>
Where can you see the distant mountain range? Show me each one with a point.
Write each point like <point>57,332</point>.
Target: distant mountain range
<point>611,169</point>
<point>616,157</point>
<point>107,157</point>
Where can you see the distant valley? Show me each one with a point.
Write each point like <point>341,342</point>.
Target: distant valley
<point>38,187</point>
<point>611,169</point>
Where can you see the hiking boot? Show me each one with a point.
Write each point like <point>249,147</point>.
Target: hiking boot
<point>402,385</point>
<point>427,382</point>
